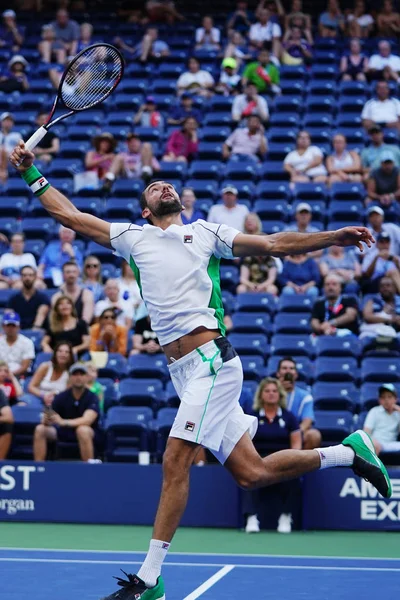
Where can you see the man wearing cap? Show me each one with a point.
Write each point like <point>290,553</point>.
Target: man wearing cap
<point>16,349</point>
<point>73,416</point>
<point>377,225</point>
<point>383,186</point>
<point>383,421</point>
<point>229,79</point>
<point>250,103</point>
<point>303,216</point>
<point>371,154</point>
<point>382,110</point>
<point>246,141</point>
<point>380,263</point>
<point>11,34</point>
<point>49,146</point>
<point>14,79</point>
<point>381,313</point>
<point>229,212</point>
<point>148,115</point>
<point>185,109</point>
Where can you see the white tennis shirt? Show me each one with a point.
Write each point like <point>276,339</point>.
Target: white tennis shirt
<point>177,270</point>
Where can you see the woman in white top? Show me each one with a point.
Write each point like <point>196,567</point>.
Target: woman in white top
<point>343,164</point>
<point>207,36</point>
<point>195,80</point>
<point>359,22</point>
<point>128,286</point>
<point>51,378</point>
<point>306,163</point>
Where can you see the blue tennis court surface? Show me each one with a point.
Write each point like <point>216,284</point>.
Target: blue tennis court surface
<point>69,575</point>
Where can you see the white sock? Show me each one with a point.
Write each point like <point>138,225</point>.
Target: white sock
<point>151,568</point>
<point>336,456</point>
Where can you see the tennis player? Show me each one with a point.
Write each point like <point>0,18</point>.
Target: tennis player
<point>177,268</point>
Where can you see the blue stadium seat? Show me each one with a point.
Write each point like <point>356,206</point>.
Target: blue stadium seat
<point>9,225</point>
<point>246,189</point>
<point>253,367</point>
<point>122,209</point>
<point>324,72</point>
<point>325,57</point>
<point>321,104</point>
<point>271,190</point>
<point>36,335</point>
<point>347,191</point>
<point>220,104</point>
<point>81,133</point>
<point>250,343</point>
<point>17,187</point>
<point>40,227</point>
<point>206,169</point>
<point>13,207</point>
<point>271,209</point>
<point>351,211</point>
<point>292,323</point>
<point>292,87</point>
<point>352,88</point>
<point>273,171</point>
<point>64,167</point>
<point>90,204</point>
<point>293,104</point>
<point>284,119</point>
<point>350,105</point>
<point>335,396</point>
<point>148,366</point>
<point>320,136</point>
<point>348,120</point>
<point>25,421</point>
<point>249,302</point>
<point>109,271</point>
<point>321,88</point>
<point>337,346</point>
<point>167,70</point>
<point>310,191</point>
<point>353,135</point>
<point>214,134</point>
<point>141,392</point>
<point>32,101</point>
<point>103,254</point>
<point>148,134</point>
<point>229,275</point>
<point>127,431</point>
<point>74,149</point>
<point>210,150</point>
<point>130,85</point>
<point>383,370</point>
<point>164,86</point>
<point>291,345</point>
<point>5,296</point>
<point>89,117</point>
<point>317,119</point>
<point>303,364</point>
<point>115,367</point>
<point>298,303</point>
<point>270,227</point>
<point>282,135</point>
<point>334,426</point>
<point>36,247</point>
<point>36,209</point>
<point>241,170</point>
<point>120,117</point>
<point>171,397</point>
<point>127,102</point>
<point>297,73</point>
<point>128,188</point>
<point>172,170</point>
<point>251,322</point>
<point>278,152</point>
<point>336,369</point>
<point>218,119</point>
<point>369,393</point>
<point>110,392</point>
<point>162,426</point>
<point>203,188</point>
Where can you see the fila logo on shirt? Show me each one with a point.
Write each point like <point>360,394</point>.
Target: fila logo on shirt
<point>188,239</point>
<point>190,426</point>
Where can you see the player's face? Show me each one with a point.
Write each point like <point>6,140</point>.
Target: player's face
<point>162,199</point>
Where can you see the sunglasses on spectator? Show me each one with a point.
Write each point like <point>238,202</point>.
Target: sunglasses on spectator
<point>92,266</point>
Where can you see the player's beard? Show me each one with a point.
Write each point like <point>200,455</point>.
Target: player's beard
<point>168,207</point>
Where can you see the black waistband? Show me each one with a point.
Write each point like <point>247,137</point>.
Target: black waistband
<point>227,350</point>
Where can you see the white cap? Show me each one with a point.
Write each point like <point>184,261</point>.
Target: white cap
<point>6,115</point>
<point>18,58</point>
<point>375,209</point>
<point>230,189</point>
<point>303,206</point>
<point>9,13</point>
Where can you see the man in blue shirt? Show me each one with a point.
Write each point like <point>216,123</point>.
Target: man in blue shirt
<point>299,401</point>
<point>56,254</point>
<point>184,110</point>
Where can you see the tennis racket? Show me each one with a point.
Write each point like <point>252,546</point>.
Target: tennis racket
<point>90,77</point>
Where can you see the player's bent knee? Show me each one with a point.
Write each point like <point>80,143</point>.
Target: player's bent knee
<point>178,458</point>
<point>251,480</point>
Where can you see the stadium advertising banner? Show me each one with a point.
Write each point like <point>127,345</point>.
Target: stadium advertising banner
<point>110,493</point>
<point>337,499</point>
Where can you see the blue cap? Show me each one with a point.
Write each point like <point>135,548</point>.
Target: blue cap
<point>10,318</point>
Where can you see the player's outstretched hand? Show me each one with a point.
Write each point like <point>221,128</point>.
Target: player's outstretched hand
<point>354,236</point>
<point>21,158</point>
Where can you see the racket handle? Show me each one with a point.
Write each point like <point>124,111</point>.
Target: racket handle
<point>35,138</point>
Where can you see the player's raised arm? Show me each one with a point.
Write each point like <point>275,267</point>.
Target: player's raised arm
<point>56,204</point>
<point>286,243</point>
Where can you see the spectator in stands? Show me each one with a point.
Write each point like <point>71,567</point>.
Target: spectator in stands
<point>331,23</point>
<point>50,48</point>
<point>382,110</point>
<point>208,37</point>
<point>383,421</point>
<point>296,49</point>
<point>252,224</point>
<point>383,186</point>
<point>184,110</point>
<point>300,275</point>
<point>380,263</point>
<point>258,274</point>
<point>384,65</point>
<point>145,340</point>
<point>183,144</point>
<point>128,286</point>
<point>8,138</point>
<point>344,264</point>
<point>246,141</point>
<point>52,377</point>
<point>388,21</point>
<point>149,49</point>
<point>101,158</point>
<point>31,305</point>
<point>107,336</point>
<point>64,326</point>
<point>371,155</point>
<point>12,262</point>
<point>278,428</point>
<point>85,36</point>
<point>240,20</point>
<point>94,385</point>
<point>381,313</point>
<point>190,213</point>
<point>195,80</point>
<point>376,224</point>
<point>49,146</point>
<point>306,163</point>
<point>92,278</point>
<point>354,64</point>
<point>359,23</point>
<point>6,426</point>
<point>263,73</point>
<point>11,34</point>
<point>266,33</point>
<point>66,32</point>
<point>16,349</point>
<point>303,218</point>
<point>73,416</point>
<point>14,79</point>
<point>81,296</point>
<point>161,11</point>
<point>297,18</point>
<point>229,79</point>
<point>237,48</point>
<point>342,164</point>
<point>113,299</point>
<point>230,212</point>
<point>298,401</point>
<point>56,254</point>
<point>10,385</point>
<point>148,115</point>
<point>335,313</point>
<point>250,103</point>
<point>137,161</point>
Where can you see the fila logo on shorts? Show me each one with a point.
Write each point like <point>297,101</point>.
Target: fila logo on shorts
<point>188,239</point>
<point>190,426</point>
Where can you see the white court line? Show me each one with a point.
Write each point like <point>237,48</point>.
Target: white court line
<point>209,582</point>
<point>234,554</point>
<point>189,564</point>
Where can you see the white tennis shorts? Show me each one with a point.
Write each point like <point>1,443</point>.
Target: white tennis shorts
<point>208,382</point>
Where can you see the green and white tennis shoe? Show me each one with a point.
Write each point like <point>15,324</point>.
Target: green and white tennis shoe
<point>134,588</point>
<point>366,462</point>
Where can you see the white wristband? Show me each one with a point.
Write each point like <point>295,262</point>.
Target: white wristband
<point>39,184</point>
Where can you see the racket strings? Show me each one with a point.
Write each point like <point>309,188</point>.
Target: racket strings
<point>91,78</point>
